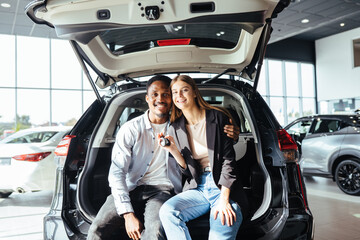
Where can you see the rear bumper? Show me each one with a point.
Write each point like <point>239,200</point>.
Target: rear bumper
<point>54,228</point>
<point>299,225</point>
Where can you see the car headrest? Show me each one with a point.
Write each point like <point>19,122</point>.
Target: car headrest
<point>134,115</point>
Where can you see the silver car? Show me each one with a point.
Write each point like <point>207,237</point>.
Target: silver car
<point>330,147</point>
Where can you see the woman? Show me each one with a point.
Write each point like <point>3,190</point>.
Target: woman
<point>207,159</point>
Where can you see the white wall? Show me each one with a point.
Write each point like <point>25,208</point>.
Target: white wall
<point>336,76</point>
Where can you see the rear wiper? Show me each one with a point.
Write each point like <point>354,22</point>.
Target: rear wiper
<point>219,75</point>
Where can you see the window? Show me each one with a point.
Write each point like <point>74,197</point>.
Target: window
<point>301,127</point>
<point>127,40</point>
<point>289,89</point>
<point>66,106</point>
<point>326,126</point>
<point>275,78</point>
<point>292,81</point>
<point>33,65</point>
<point>293,111</point>
<point>37,137</point>
<point>65,68</point>
<point>7,62</point>
<point>307,79</point>
<point>33,107</point>
<point>41,83</point>
<point>277,106</point>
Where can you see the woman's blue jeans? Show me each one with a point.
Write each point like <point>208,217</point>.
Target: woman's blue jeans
<point>193,203</point>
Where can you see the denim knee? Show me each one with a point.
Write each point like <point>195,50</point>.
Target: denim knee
<point>164,212</point>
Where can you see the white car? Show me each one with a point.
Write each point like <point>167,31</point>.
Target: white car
<point>27,160</point>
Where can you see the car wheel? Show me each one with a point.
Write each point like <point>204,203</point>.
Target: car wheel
<point>5,194</point>
<point>347,176</point>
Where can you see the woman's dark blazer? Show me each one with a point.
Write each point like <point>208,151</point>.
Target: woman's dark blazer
<point>221,155</point>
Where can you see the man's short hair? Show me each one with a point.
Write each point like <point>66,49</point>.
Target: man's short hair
<point>155,78</point>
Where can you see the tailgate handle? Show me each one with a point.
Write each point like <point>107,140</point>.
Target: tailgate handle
<point>202,7</point>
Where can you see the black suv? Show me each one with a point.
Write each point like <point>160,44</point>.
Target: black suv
<point>222,47</point>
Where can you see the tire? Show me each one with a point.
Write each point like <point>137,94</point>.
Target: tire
<point>347,176</point>
<point>5,194</point>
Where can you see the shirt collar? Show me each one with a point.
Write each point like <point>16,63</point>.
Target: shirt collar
<point>147,120</point>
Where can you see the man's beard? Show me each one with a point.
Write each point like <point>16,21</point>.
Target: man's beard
<point>162,115</point>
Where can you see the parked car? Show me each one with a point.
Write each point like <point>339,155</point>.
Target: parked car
<point>27,160</point>
<point>330,147</point>
<point>127,42</point>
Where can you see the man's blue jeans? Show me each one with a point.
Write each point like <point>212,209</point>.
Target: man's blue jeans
<point>193,203</point>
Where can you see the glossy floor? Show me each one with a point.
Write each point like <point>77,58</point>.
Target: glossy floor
<point>337,215</point>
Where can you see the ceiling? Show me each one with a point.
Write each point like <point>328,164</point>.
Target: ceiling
<point>324,19</point>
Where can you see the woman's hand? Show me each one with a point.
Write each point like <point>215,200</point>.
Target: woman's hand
<point>224,208</point>
<point>172,149</point>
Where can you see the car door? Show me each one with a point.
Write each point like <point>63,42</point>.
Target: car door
<point>322,143</point>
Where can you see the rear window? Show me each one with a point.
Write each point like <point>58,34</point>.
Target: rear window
<point>133,39</point>
<point>36,137</point>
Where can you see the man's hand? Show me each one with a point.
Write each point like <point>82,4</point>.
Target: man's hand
<point>232,131</point>
<point>133,226</point>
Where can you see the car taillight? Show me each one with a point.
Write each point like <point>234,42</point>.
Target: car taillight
<point>288,146</point>
<point>171,42</point>
<point>63,146</point>
<point>34,157</point>
<point>290,150</point>
<point>62,149</point>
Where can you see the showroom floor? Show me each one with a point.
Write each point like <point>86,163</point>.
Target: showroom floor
<point>337,215</point>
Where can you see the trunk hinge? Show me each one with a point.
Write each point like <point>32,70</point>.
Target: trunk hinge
<point>86,71</point>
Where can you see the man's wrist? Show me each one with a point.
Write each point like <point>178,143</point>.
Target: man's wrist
<point>128,215</point>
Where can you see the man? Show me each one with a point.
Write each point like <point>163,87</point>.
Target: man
<point>141,176</point>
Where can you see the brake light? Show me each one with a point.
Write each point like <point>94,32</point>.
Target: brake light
<point>290,150</point>
<point>288,146</point>
<point>63,146</point>
<point>286,142</point>
<point>34,157</point>
<point>171,42</point>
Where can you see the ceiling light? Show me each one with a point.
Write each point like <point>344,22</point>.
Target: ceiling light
<point>218,34</point>
<point>305,20</point>
<point>6,5</point>
<point>342,24</point>
<point>222,32</point>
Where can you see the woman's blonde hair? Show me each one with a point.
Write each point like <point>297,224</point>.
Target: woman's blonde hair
<point>202,104</point>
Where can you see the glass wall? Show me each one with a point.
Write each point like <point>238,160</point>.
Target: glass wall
<point>41,83</point>
<point>289,89</point>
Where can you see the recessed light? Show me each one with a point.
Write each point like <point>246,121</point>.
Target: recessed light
<point>342,24</point>
<point>5,5</point>
<point>305,20</point>
<point>218,34</point>
<point>222,32</point>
